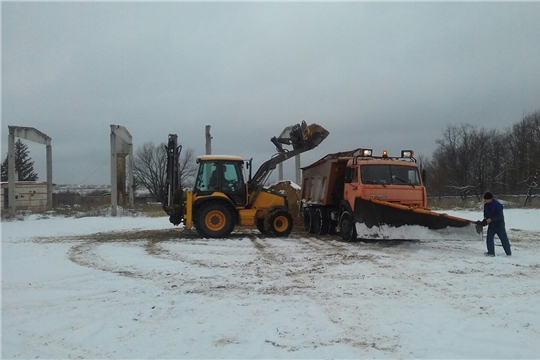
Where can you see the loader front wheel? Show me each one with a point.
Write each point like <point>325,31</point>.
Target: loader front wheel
<point>280,223</point>
<point>215,220</point>
<point>347,227</point>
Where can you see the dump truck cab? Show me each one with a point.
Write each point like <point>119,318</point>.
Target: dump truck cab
<point>392,179</point>
<point>350,187</point>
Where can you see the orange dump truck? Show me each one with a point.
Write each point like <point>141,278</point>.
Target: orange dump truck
<point>350,187</point>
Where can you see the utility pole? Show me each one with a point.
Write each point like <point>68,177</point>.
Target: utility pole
<point>208,141</point>
<point>297,167</point>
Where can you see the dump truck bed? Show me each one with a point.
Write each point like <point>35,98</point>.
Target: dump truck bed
<point>322,182</point>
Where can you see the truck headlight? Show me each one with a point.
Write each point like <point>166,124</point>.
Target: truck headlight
<point>407,153</point>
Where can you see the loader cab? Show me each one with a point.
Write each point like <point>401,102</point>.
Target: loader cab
<point>222,174</point>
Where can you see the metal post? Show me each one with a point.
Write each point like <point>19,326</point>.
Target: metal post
<point>280,171</point>
<point>208,140</point>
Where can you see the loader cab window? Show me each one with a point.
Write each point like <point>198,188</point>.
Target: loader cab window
<point>219,176</point>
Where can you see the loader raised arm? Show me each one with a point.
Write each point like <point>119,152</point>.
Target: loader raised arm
<point>302,138</point>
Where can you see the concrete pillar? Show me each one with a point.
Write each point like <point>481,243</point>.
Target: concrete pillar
<point>297,167</point>
<point>49,177</point>
<point>131,198</point>
<point>31,134</point>
<point>114,190</point>
<point>121,180</point>
<point>11,172</point>
<point>121,146</point>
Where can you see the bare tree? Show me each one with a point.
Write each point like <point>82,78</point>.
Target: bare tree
<point>150,169</point>
<point>468,160</point>
<point>187,168</point>
<point>524,146</point>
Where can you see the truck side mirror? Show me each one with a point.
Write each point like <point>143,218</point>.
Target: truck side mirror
<point>424,177</point>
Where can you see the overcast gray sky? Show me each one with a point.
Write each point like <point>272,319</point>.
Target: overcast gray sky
<point>376,75</point>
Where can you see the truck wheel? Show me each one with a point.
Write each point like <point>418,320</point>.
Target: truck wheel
<point>333,226</point>
<point>308,220</point>
<point>280,223</point>
<point>261,226</point>
<point>315,222</point>
<point>215,220</point>
<point>347,227</point>
<point>323,220</point>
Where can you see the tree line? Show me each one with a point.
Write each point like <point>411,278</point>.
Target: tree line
<point>469,160</point>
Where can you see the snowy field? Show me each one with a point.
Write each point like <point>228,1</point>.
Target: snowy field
<point>136,287</point>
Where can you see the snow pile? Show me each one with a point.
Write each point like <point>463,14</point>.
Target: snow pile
<point>137,287</point>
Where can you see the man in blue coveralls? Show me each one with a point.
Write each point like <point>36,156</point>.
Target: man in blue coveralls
<point>494,219</point>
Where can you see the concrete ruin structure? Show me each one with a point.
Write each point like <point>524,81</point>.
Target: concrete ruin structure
<point>29,195</point>
<point>27,133</point>
<point>121,147</point>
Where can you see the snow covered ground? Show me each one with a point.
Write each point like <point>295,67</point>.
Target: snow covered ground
<point>135,287</point>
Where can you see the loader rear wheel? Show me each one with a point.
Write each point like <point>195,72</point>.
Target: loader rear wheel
<point>308,220</point>
<point>347,227</point>
<point>280,223</point>
<point>215,220</point>
<point>323,220</point>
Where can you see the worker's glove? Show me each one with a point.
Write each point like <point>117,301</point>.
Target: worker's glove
<point>481,222</point>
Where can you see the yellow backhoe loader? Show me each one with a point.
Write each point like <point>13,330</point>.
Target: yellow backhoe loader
<point>221,198</point>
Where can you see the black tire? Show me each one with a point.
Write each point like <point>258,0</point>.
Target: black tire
<point>315,222</point>
<point>308,219</point>
<point>280,223</point>
<point>333,226</point>
<point>347,227</point>
<point>261,226</point>
<point>215,220</point>
<point>323,220</point>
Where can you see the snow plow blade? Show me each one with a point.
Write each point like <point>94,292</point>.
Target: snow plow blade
<point>378,212</point>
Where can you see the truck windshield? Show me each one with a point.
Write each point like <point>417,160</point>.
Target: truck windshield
<point>389,174</point>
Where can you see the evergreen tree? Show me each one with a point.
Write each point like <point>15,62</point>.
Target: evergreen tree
<point>24,165</point>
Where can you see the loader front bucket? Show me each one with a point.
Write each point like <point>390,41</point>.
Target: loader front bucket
<point>301,136</point>
<point>378,212</point>
<point>313,135</point>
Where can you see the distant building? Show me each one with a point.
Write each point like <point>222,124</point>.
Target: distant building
<point>29,195</point>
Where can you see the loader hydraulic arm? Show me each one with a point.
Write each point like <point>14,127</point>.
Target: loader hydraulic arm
<point>302,138</point>
<point>173,203</point>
